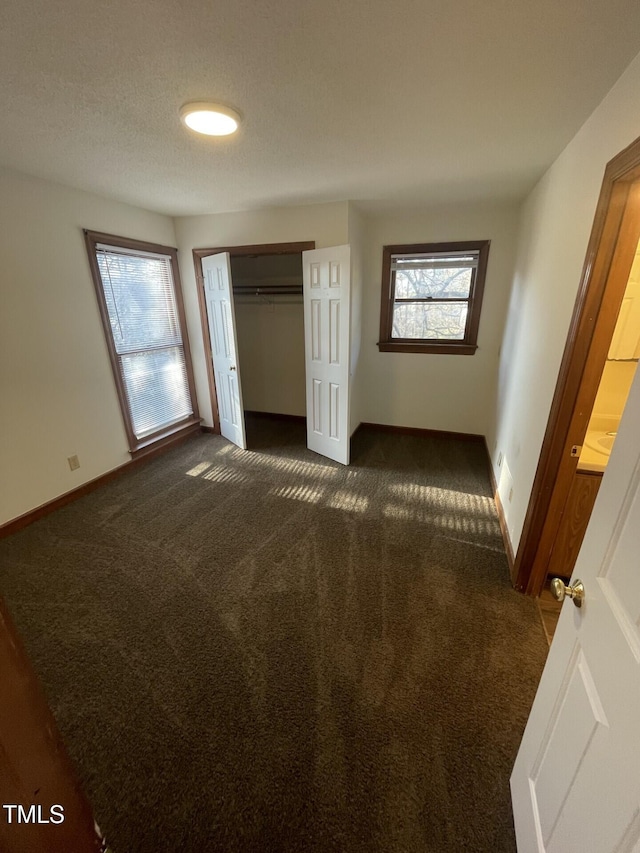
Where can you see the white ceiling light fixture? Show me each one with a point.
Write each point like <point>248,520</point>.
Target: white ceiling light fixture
<point>210,119</point>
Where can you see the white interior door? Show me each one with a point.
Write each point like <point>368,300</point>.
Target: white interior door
<point>327,295</point>
<point>216,270</point>
<point>576,781</point>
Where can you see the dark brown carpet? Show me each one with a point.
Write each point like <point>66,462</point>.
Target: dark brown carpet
<point>267,651</point>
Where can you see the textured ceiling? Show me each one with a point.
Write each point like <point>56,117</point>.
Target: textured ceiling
<point>397,102</point>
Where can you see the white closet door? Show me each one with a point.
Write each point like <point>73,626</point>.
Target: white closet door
<point>221,317</point>
<point>327,294</point>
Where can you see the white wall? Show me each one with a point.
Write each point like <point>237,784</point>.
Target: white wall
<point>430,391</point>
<point>554,232</point>
<point>324,223</point>
<point>57,393</point>
<point>271,334</point>
<point>271,349</point>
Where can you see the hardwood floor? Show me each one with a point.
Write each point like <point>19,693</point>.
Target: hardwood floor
<point>549,610</point>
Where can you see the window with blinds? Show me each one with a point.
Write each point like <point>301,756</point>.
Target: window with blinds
<point>431,297</point>
<point>142,312</point>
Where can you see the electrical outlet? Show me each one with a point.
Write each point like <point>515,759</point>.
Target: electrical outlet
<point>499,459</point>
<point>74,462</point>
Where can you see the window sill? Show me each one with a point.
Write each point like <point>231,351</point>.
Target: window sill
<point>168,436</point>
<point>416,346</point>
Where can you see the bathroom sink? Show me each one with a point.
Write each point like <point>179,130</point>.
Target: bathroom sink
<point>606,441</point>
<point>601,442</point>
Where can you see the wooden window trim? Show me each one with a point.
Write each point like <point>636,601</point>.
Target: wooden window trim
<point>140,446</point>
<point>468,345</point>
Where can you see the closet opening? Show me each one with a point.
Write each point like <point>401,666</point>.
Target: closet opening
<point>267,295</point>
<point>267,292</point>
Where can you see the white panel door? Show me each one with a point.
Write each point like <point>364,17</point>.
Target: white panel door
<point>216,270</point>
<point>327,294</point>
<point>576,781</point>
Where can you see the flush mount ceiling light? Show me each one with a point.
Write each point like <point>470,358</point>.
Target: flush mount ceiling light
<point>210,119</point>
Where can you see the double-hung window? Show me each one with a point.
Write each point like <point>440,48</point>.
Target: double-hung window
<point>138,291</point>
<point>432,296</point>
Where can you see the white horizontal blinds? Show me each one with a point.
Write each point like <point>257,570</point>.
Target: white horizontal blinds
<point>140,298</point>
<point>431,294</point>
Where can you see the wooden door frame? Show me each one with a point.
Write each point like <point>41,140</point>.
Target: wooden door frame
<point>586,347</point>
<point>34,764</point>
<point>234,252</point>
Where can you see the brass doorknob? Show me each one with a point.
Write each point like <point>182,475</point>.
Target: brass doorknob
<point>560,591</point>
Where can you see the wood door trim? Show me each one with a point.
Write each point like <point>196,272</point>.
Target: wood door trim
<point>529,572</point>
<point>206,342</point>
<point>257,249</point>
<point>234,251</point>
<point>34,764</point>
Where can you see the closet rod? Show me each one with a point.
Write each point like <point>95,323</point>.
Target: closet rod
<point>243,290</point>
<point>266,300</point>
